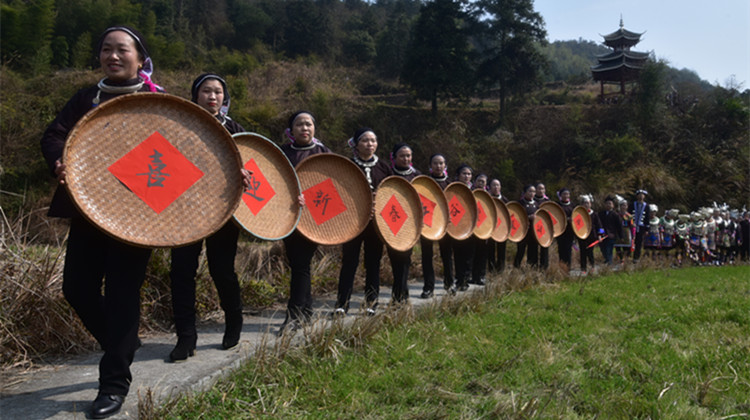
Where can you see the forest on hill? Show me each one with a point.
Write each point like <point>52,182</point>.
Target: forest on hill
<point>477,81</point>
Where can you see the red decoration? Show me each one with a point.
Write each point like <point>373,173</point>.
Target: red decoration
<point>540,230</point>
<point>481,215</point>
<point>428,208</point>
<point>323,201</point>
<point>260,192</point>
<point>499,221</point>
<point>578,222</point>
<point>514,225</point>
<point>156,172</point>
<point>394,215</point>
<point>456,210</point>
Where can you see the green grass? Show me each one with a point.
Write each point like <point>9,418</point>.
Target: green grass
<point>648,344</point>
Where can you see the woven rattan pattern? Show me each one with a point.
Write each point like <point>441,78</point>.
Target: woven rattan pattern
<point>280,215</point>
<point>426,186</point>
<point>112,130</point>
<point>354,190</point>
<point>484,231</point>
<point>464,196</point>
<point>560,222</point>
<point>501,232</point>
<point>544,240</point>
<point>408,198</point>
<point>516,209</point>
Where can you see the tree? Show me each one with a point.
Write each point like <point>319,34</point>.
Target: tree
<point>437,62</point>
<point>511,32</point>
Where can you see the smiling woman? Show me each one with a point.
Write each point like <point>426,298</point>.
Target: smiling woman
<point>91,255</point>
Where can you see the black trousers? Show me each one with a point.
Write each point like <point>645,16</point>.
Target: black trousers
<point>565,248</point>
<point>350,262</point>
<point>299,252</point>
<point>530,247</point>
<point>479,265</point>
<point>428,270</point>
<point>400,264</point>
<point>112,318</point>
<point>639,242</point>
<point>221,248</point>
<point>587,254</point>
<point>496,255</point>
<point>463,256</point>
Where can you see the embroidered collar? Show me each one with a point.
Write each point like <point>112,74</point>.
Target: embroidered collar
<point>403,172</point>
<point>369,164</point>
<point>308,147</point>
<point>440,178</point>
<point>130,87</point>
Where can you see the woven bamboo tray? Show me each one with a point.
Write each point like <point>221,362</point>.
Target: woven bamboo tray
<point>559,220</point>
<point>435,221</point>
<point>334,184</point>
<point>502,227</point>
<point>462,210</point>
<point>543,228</point>
<point>398,213</point>
<point>153,170</point>
<point>486,214</point>
<point>519,221</point>
<point>581,221</point>
<point>269,208</point>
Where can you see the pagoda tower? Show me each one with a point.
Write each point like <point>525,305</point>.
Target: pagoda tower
<point>621,66</point>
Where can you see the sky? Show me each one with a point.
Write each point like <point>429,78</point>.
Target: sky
<point>711,38</point>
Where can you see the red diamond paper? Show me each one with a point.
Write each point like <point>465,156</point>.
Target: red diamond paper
<point>578,222</point>
<point>394,215</point>
<point>499,222</point>
<point>260,192</point>
<point>481,215</point>
<point>514,225</point>
<point>540,230</point>
<point>456,210</point>
<point>323,201</point>
<point>554,219</point>
<point>428,208</point>
<point>156,172</point>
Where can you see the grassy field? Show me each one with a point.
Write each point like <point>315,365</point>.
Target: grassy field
<point>649,344</point>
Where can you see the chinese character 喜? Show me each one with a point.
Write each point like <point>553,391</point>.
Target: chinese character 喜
<point>155,175</point>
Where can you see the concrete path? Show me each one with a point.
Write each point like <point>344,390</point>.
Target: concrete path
<point>66,390</point>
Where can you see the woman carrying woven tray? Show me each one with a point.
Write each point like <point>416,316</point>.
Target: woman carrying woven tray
<point>587,252</point>
<point>439,173</point>
<point>300,250</point>
<point>364,143</point>
<point>401,260</point>
<point>463,250</point>
<point>565,241</point>
<point>91,255</point>
<point>496,252</point>
<point>210,92</point>
<point>528,244</point>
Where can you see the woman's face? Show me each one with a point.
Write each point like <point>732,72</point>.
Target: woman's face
<point>303,129</point>
<point>119,57</point>
<point>437,165</point>
<point>211,95</point>
<point>529,194</point>
<point>403,157</point>
<point>367,145</point>
<point>480,182</point>
<point>541,190</point>
<point>495,187</point>
<point>587,204</point>
<point>465,176</point>
<point>565,196</point>
<point>623,207</point>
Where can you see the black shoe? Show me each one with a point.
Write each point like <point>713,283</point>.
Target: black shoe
<point>289,326</point>
<point>185,348</point>
<point>232,330</point>
<point>106,405</point>
<point>337,313</point>
<point>426,294</point>
<point>480,282</point>
<point>452,290</point>
<point>464,287</point>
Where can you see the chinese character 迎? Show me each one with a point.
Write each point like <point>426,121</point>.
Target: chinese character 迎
<point>252,190</point>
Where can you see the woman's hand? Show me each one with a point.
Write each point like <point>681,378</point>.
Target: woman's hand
<point>301,200</point>
<point>60,172</point>
<point>246,177</point>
